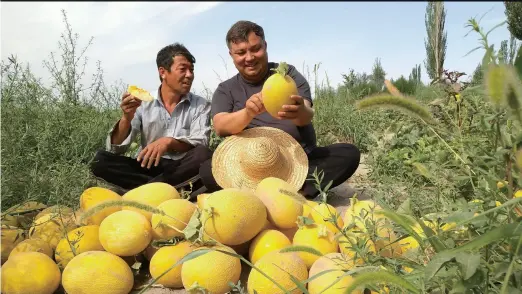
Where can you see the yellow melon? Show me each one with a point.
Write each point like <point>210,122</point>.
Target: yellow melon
<point>289,233</point>
<point>11,237</point>
<point>277,90</point>
<point>125,233</point>
<point>308,207</point>
<point>152,194</point>
<point>30,272</point>
<point>58,209</point>
<point>331,282</point>
<point>265,242</point>
<point>97,272</point>
<point>212,270</point>
<point>282,200</point>
<point>165,258</point>
<point>278,266</point>
<point>33,245</point>
<point>317,237</point>
<point>357,246</point>
<point>200,199</point>
<point>94,196</point>
<point>324,213</point>
<point>178,213</point>
<point>232,216</point>
<point>361,210</point>
<point>52,228</point>
<point>82,239</point>
<point>140,93</point>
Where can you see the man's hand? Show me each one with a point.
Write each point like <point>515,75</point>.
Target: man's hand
<point>254,105</point>
<point>154,151</point>
<point>300,113</point>
<point>128,105</point>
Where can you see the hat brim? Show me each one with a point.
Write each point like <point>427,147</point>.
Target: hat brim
<point>226,166</point>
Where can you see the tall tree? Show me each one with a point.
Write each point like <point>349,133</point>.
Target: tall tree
<point>415,75</point>
<point>513,46</point>
<point>503,52</point>
<point>478,75</point>
<point>514,18</point>
<point>436,42</point>
<point>378,73</point>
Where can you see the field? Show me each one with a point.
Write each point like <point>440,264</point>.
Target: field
<point>442,162</point>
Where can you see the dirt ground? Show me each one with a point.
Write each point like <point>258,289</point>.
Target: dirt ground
<point>340,200</point>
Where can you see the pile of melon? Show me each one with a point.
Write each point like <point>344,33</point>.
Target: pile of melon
<point>195,246</point>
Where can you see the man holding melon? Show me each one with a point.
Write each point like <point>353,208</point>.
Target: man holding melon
<point>174,129</point>
<point>267,94</point>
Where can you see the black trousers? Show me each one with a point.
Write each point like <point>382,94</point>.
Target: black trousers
<point>337,161</point>
<point>127,173</point>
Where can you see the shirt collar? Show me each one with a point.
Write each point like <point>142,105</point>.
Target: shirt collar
<point>187,97</point>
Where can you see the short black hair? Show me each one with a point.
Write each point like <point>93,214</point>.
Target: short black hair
<point>241,29</point>
<point>165,57</point>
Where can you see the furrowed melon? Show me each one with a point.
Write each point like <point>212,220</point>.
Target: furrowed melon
<point>233,216</point>
<point>277,90</point>
<point>283,202</point>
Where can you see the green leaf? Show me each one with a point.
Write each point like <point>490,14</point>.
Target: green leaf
<point>436,263</point>
<point>194,224</point>
<point>469,263</point>
<point>301,248</point>
<point>406,222</point>
<point>434,240</point>
<point>405,207</point>
<point>421,168</point>
<point>298,283</point>
<point>380,277</point>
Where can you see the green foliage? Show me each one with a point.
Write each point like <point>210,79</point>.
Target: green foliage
<point>514,18</point>
<point>436,39</point>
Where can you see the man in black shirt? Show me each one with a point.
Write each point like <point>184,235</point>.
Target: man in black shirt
<point>237,105</point>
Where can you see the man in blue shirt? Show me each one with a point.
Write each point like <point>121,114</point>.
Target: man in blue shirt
<point>174,130</point>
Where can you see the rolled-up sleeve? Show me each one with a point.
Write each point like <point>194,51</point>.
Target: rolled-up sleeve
<point>200,126</point>
<point>124,146</point>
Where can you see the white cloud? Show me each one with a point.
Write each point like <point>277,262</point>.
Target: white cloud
<point>126,34</point>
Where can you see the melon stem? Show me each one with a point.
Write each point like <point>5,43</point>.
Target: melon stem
<point>281,69</point>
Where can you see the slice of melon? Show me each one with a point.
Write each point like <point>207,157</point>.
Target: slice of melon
<point>140,93</point>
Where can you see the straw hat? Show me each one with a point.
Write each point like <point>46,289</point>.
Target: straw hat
<point>243,160</point>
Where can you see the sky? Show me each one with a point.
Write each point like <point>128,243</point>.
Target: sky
<point>338,35</point>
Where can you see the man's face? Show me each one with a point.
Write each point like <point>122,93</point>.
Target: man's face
<point>181,75</point>
<point>250,58</point>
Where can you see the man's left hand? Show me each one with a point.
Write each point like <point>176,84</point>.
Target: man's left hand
<point>153,152</point>
<point>292,111</point>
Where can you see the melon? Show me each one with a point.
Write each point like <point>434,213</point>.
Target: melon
<point>152,194</point>
<point>283,202</point>
<point>213,270</point>
<point>82,239</point>
<point>317,237</point>
<point>277,90</point>
<point>166,257</point>
<point>97,272</point>
<point>232,216</point>
<point>177,215</point>
<point>125,233</point>
<point>266,242</point>
<point>331,282</point>
<point>30,272</point>
<point>94,196</point>
<point>278,266</point>
<point>140,93</point>
<point>33,245</point>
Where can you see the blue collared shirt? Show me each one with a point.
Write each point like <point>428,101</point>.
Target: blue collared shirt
<point>189,122</point>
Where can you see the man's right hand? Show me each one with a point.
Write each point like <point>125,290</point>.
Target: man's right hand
<point>254,105</point>
<point>128,105</point>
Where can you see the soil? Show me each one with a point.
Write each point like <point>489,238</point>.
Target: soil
<point>340,200</point>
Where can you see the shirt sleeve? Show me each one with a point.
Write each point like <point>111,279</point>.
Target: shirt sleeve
<point>303,87</point>
<point>199,127</point>
<point>221,101</point>
<point>124,146</point>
